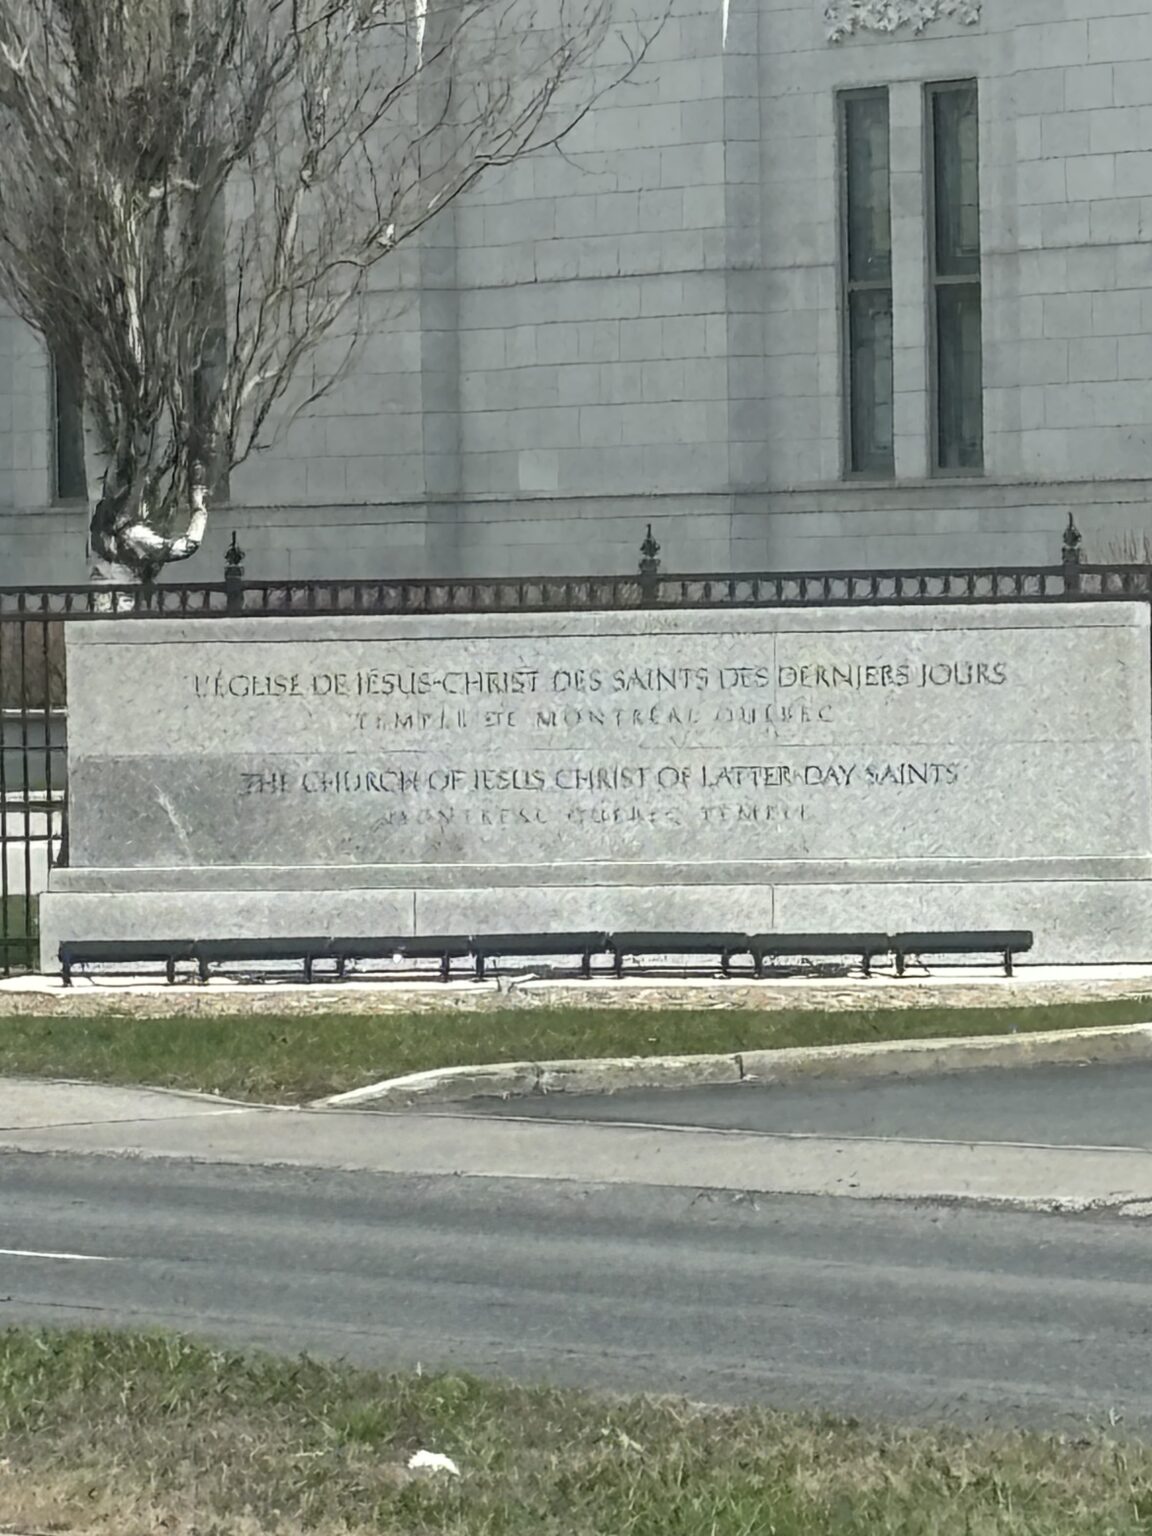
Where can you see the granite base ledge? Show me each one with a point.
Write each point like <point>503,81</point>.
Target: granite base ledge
<point>1075,922</point>
<point>438,877</point>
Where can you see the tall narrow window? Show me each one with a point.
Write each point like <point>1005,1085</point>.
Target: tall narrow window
<point>867,267</point>
<point>954,124</point>
<point>67,381</point>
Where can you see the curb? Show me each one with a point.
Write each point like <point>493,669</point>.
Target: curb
<point>905,1058</point>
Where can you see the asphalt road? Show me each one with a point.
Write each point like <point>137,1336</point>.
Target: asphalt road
<point>1094,1106</point>
<point>870,1308</point>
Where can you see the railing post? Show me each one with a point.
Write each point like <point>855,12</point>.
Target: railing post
<point>1070,556</point>
<point>234,576</point>
<point>649,568</point>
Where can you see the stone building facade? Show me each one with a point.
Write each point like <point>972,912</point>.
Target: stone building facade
<point>832,283</point>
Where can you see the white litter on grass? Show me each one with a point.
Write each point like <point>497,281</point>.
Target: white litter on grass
<point>432,1461</point>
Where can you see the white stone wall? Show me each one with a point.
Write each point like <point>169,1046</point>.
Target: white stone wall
<point>647,327</point>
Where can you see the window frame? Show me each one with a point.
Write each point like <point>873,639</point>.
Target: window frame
<point>938,280</point>
<point>850,285</point>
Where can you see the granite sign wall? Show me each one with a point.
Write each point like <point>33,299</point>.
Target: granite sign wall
<point>754,769</point>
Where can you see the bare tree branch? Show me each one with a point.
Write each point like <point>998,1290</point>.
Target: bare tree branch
<point>195,191</point>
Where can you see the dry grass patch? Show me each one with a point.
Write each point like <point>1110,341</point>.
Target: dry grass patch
<point>121,1435</point>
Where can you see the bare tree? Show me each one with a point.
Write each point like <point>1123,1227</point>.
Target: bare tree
<point>193,193</point>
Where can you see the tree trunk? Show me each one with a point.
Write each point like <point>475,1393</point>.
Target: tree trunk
<point>113,573</point>
<point>115,562</point>
<point>132,552</point>
<point>108,569</point>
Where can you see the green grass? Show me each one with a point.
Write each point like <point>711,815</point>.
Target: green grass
<point>298,1058</point>
<point>124,1435</point>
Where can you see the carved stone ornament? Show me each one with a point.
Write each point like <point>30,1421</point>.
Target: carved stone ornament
<point>844,17</point>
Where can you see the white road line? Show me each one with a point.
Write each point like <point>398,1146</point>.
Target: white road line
<point>78,1258</point>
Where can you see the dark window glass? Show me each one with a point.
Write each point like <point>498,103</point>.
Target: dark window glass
<point>960,377</point>
<point>68,425</point>
<point>955,270</point>
<point>870,350</point>
<point>868,189</point>
<point>867,239</point>
<point>956,132</point>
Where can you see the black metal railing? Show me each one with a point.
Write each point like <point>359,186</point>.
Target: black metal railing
<point>33,685</point>
<point>544,594</point>
<point>649,587</point>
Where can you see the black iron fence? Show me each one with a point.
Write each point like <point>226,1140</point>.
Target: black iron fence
<point>33,684</point>
<point>650,586</point>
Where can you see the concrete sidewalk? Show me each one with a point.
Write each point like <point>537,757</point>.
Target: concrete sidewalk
<point>75,1118</point>
<point>41,1104</point>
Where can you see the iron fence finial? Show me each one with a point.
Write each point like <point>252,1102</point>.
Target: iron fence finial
<point>649,566</point>
<point>1070,555</point>
<point>234,575</point>
<point>1073,539</point>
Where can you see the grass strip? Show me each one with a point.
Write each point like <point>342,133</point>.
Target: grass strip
<point>298,1058</point>
<point>126,1435</point>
